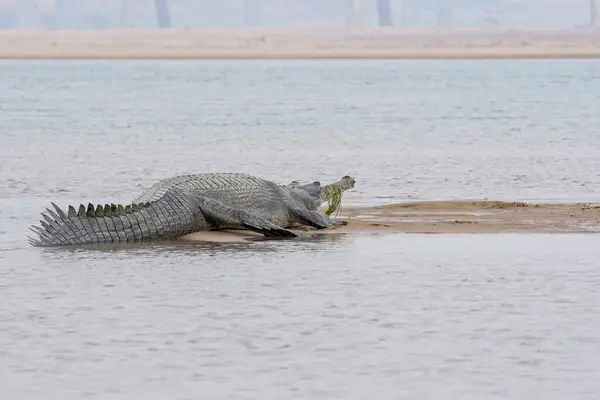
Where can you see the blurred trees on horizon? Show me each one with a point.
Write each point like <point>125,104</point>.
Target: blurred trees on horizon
<point>111,14</point>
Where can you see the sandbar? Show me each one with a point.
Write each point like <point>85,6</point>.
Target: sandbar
<point>303,43</point>
<point>446,217</point>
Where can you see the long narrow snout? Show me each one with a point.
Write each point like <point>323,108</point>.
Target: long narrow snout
<point>332,193</point>
<point>347,182</point>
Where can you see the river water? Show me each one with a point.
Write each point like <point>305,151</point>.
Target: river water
<point>341,316</point>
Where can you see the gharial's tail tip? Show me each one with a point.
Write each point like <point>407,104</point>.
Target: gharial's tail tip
<point>37,240</point>
<point>34,242</point>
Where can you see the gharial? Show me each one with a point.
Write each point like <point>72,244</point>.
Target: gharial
<point>183,204</point>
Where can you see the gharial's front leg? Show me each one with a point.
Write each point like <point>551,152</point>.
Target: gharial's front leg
<point>315,219</point>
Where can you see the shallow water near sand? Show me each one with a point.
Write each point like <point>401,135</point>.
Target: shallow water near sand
<point>336,316</point>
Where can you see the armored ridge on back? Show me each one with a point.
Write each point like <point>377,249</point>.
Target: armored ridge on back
<point>176,206</point>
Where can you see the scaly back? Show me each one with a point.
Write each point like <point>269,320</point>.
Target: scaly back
<point>199,183</point>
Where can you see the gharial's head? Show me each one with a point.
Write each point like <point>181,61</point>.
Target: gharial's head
<point>312,195</point>
<point>309,194</point>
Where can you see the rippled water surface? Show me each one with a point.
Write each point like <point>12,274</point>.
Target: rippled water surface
<point>340,316</point>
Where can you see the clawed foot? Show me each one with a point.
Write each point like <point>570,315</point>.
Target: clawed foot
<point>339,223</point>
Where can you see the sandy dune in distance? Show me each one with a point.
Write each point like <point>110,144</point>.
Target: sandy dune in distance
<point>300,43</point>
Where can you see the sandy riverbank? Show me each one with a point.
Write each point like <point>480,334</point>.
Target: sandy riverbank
<point>299,43</point>
<point>449,217</point>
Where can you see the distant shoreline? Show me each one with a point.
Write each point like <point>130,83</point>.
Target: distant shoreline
<point>257,43</point>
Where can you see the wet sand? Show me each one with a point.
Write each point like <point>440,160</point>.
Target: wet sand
<point>448,217</point>
<point>299,43</point>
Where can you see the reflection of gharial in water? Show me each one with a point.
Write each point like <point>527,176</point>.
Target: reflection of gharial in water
<point>245,247</point>
<point>176,206</point>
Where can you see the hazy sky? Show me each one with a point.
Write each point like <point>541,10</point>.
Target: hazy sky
<point>287,13</point>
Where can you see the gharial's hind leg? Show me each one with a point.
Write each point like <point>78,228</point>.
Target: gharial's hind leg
<point>220,216</point>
